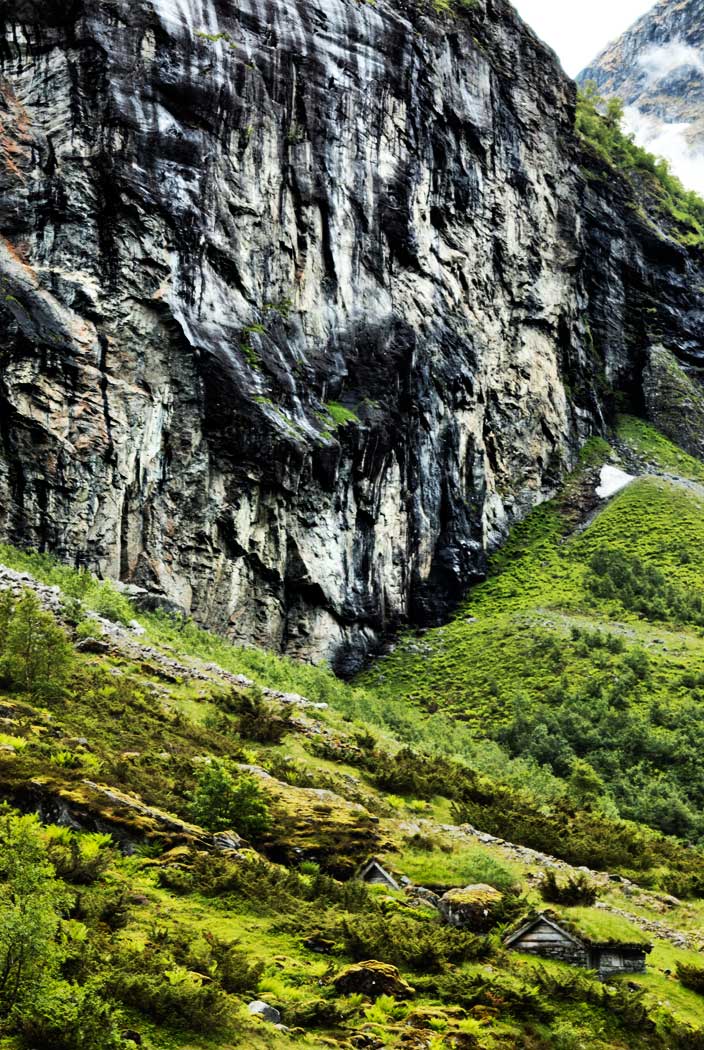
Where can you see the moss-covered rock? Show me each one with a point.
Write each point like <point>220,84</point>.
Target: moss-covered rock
<point>316,824</point>
<point>95,807</point>
<point>673,401</point>
<point>470,908</point>
<point>373,979</point>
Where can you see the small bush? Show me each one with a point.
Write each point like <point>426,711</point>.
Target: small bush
<point>89,629</point>
<point>174,997</point>
<point>261,721</point>
<point>419,943</point>
<point>577,890</point>
<point>691,977</point>
<point>65,1016</point>
<point>520,999</point>
<point>232,966</point>
<point>80,859</point>
<point>104,599</point>
<point>222,802</point>
<point>106,905</point>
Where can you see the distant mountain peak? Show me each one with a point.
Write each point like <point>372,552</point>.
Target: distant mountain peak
<point>657,69</point>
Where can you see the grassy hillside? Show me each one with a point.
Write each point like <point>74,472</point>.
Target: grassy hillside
<point>584,649</point>
<point>205,809</point>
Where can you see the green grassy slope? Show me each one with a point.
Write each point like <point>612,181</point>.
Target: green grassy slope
<point>560,664</point>
<point>532,716</point>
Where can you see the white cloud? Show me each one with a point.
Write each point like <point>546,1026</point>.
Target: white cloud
<point>659,61</point>
<point>669,141</point>
<point>578,32</point>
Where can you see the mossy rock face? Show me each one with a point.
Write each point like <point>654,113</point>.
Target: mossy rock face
<point>373,979</point>
<point>94,807</point>
<point>316,824</point>
<point>470,907</point>
<point>673,401</point>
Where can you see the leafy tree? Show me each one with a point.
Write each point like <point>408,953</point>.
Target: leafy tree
<point>38,655</point>
<point>32,901</point>
<point>7,608</point>
<point>222,801</point>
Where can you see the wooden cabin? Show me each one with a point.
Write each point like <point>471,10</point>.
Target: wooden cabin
<point>546,936</point>
<point>376,875</point>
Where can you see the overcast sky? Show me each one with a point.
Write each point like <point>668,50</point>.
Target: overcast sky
<point>577,30</point>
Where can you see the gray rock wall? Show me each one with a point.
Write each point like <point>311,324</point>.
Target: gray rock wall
<point>223,223</point>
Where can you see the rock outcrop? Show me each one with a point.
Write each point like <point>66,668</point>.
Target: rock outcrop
<point>372,979</point>
<point>471,907</point>
<point>304,304</point>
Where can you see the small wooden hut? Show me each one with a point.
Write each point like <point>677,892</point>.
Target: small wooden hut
<point>375,874</point>
<point>545,935</point>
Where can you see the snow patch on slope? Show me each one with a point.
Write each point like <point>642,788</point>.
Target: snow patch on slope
<point>612,481</point>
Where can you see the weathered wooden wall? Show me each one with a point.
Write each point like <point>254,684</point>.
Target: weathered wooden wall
<point>544,940</point>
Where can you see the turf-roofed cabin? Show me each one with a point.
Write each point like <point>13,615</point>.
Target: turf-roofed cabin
<point>546,936</point>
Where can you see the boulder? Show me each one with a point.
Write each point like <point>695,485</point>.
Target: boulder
<point>264,1011</point>
<point>93,645</point>
<point>372,978</point>
<point>418,895</point>
<point>471,907</point>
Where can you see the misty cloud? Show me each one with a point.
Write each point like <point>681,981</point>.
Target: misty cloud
<point>669,141</point>
<point>658,62</point>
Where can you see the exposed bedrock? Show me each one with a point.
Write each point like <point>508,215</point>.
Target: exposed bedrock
<point>225,224</point>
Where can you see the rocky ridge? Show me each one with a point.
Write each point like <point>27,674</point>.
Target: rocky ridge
<point>303,308</point>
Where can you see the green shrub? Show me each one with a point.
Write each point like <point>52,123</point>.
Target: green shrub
<point>232,966</point>
<point>103,905</point>
<point>65,1016</point>
<point>261,721</point>
<point>37,657</point>
<point>80,859</point>
<point>575,890</point>
<point>418,943</point>
<point>173,996</point>
<point>410,772</point>
<point>221,802</point>
<point>89,629</point>
<point>691,976</point>
<point>497,991</point>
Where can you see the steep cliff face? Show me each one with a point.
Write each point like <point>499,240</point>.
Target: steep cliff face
<point>304,304</point>
<point>657,70</point>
